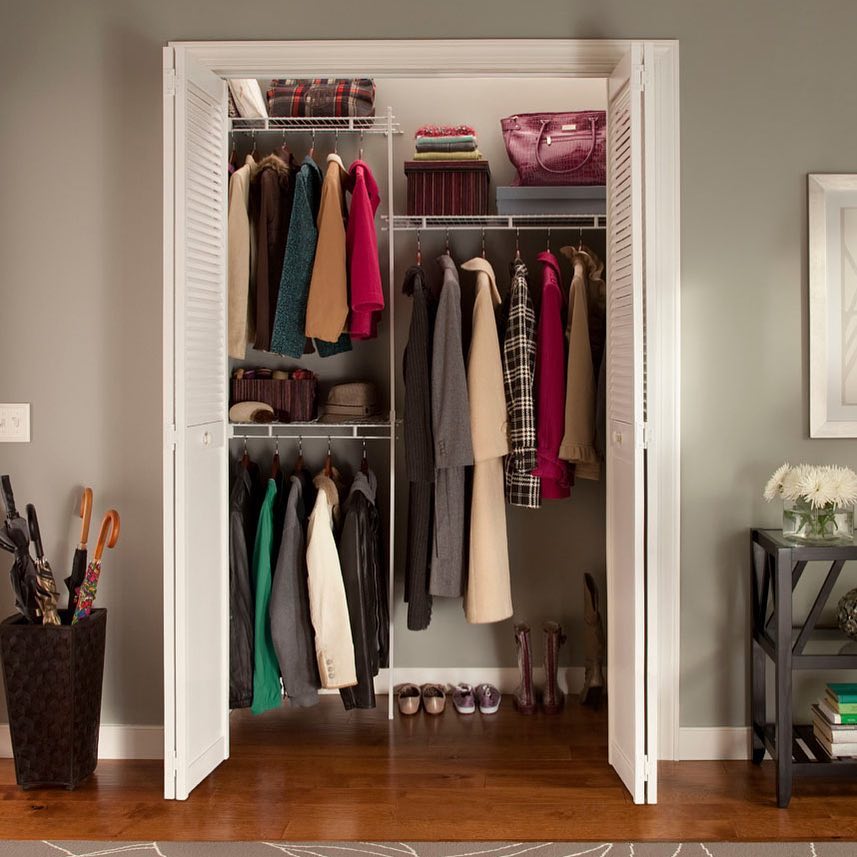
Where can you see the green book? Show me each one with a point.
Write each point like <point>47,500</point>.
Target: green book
<point>844,691</point>
<point>834,717</point>
<point>840,707</point>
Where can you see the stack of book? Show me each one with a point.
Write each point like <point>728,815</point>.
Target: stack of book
<point>834,720</point>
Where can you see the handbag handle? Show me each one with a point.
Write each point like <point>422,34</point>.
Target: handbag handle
<point>582,164</point>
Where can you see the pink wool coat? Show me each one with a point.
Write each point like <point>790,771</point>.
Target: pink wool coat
<point>361,242</point>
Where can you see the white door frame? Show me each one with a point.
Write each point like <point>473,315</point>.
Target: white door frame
<point>559,58</point>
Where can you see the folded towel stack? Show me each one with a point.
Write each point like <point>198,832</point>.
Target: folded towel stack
<point>446,143</point>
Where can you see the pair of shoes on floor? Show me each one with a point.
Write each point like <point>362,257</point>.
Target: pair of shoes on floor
<point>432,697</point>
<point>466,698</point>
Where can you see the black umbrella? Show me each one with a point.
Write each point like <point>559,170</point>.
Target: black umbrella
<point>16,539</point>
<point>46,593</point>
<point>78,563</point>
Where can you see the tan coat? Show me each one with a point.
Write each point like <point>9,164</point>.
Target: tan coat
<point>241,257</point>
<point>578,442</point>
<point>327,304</point>
<point>489,593</point>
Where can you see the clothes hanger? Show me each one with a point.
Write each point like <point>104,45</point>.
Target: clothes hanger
<point>312,145</point>
<point>254,154</point>
<point>275,463</point>
<point>360,151</point>
<point>233,155</point>
<point>448,252</point>
<point>364,462</point>
<point>419,249</point>
<point>328,462</point>
<point>245,459</point>
<point>518,259</point>
<point>483,243</point>
<point>283,152</point>
<point>548,244</point>
<point>299,461</point>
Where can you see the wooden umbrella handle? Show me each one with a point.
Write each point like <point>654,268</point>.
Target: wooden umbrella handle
<point>109,527</point>
<point>86,514</point>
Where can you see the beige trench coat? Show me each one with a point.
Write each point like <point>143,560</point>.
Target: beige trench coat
<point>578,442</point>
<point>489,592</point>
<point>241,257</point>
<point>327,304</point>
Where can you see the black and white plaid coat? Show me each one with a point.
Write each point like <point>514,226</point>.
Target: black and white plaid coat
<point>519,369</point>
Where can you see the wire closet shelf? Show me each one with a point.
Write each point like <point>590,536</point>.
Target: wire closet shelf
<point>385,124</point>
<point>486,222</point>
<point>377,430</point>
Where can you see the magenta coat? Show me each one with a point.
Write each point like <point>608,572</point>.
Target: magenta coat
<point>361,245</point>
<point>550,383</point>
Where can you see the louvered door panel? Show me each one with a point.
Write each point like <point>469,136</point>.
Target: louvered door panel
<point>626,604</point>
<point>197,626</point>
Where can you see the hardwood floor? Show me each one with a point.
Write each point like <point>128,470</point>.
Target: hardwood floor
<point>326,774</point>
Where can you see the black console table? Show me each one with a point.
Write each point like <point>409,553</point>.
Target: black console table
<point>777,565</point>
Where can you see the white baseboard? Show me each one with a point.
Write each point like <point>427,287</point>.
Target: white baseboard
<point>115,741</point>
<point>714,743</point>
<point>506,679</point>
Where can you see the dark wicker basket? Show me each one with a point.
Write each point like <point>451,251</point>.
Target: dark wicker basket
<point>53,676</point>
<point>293,400</point>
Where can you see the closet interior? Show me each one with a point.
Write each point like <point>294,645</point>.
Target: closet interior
<point>550,548</point>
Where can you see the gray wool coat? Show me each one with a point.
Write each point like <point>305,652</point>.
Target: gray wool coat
<point>453,449</point>
<point>291,625</point>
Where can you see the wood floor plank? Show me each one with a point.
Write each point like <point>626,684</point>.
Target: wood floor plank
<point>324,773</point>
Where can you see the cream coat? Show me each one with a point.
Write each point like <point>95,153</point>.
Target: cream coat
<point>489,594</point>
<point>578,442</point>
<point>328,606</point>
<point>327,304</point>
<point>241,256</point>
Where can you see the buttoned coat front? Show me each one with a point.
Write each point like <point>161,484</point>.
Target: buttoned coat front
<point>489,595</point>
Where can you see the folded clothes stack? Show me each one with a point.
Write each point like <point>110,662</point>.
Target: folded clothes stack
<point>446,143</point>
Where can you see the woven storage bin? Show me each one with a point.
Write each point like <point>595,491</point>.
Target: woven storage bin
<point>53,676</point>
<point>448,187</point>
<point>293,401</point>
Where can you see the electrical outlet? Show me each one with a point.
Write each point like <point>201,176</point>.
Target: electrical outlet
<point>15,423</point>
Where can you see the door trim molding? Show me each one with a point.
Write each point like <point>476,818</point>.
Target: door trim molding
<point>586,58</point>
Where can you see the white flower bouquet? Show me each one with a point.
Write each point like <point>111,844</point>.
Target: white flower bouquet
<point>818,501</point>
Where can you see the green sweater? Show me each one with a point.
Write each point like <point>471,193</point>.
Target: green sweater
<point>266,672</point>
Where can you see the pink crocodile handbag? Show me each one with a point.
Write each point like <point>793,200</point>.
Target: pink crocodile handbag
<point>557,148</point>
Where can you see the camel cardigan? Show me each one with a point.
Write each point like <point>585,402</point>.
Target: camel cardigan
<point>489,594</point>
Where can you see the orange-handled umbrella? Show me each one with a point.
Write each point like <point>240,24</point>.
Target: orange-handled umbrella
<point>108,535</point>
<point>78,563</point>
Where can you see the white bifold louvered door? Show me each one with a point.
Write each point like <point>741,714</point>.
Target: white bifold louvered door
<point>196,566</point>
<point>626,431</point>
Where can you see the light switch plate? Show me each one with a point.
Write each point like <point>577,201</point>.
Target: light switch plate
<point>15,423</point>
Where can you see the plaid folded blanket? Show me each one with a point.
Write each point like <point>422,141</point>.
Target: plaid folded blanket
<point>433,144</point>
<point>475,155</point>
<point>332,96</point>
<point>445,131</point>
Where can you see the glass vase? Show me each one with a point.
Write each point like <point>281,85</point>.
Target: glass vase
<point>830,523</point>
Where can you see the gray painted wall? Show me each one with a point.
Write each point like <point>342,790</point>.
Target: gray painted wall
<point>766,98</point>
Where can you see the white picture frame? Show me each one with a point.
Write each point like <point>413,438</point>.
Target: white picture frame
<point>832,201</point>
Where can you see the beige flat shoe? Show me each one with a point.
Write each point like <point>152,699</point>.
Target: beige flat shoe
<point>434,698</point>
<point>409,699</point>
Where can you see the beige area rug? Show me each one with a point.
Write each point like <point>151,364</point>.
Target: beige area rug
<point>61,848</point>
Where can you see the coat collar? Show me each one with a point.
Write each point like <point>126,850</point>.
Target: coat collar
<point>366,484</point>
<point>325,485</point>
<point>333,158</point>
<point>415,280</point>
<point>483,266</point>
<point>550,262</point>
<point>361,168</point>
<point>447,265</point>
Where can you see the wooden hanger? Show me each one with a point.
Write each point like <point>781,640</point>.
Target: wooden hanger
<point>299,461</point>
<point>245,459</point>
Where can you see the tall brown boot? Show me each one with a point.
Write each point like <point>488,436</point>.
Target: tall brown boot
<point>593,645</point>
<point>553,698</point>
<point>525,700</point>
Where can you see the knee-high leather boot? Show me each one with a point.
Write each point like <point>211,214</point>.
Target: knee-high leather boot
<point>553,698</point>
<point>593,645</point>
<point>525,700</point>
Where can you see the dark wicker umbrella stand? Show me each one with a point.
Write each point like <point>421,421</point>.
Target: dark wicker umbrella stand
<point>53,678</point>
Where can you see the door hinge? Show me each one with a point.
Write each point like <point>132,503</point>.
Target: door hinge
<point>640,76</point>
<point>644,435</point>
<point>169,81</point>
<point>647,769</point>
<point>170,437</point>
